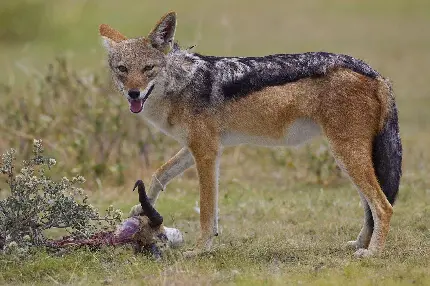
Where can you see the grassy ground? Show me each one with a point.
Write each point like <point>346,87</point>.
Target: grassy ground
<point>277,225</point>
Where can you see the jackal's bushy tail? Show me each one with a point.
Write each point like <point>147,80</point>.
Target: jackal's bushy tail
<point>387,150</point>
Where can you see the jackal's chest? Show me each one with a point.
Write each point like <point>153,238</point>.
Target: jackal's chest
<point>158,114</point>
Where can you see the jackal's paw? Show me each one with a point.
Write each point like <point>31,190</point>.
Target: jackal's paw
<point>135,211</point>
<point>355,244</point>
<point>204,245</point>
<point>362,253</point>
<point>196,252</point>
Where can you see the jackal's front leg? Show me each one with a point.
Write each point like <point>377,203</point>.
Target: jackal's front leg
<point>172,168</point>
<point>206,155</point>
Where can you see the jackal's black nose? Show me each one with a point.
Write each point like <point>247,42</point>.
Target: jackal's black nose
<point>134,93</point>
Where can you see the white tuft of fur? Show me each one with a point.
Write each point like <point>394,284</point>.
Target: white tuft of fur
<point>174,236</point>
<point>108,43</point>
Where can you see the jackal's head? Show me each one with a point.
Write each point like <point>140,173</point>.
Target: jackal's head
<point>136,63</point>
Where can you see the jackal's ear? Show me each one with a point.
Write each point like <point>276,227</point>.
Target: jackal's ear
<point>110,36</point>
<point>161,37</point>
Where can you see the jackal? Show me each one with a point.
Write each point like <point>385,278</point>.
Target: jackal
<point>208,102</point>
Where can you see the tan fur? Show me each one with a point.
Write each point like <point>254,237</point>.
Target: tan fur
<point>109,32</point>
<point>265,113</point>
<point>135,80</point>
<point>204,144</point>
<point>342,96</point>
<point>172,168</point>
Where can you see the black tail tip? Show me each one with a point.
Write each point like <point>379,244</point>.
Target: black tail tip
<point>387,157</point>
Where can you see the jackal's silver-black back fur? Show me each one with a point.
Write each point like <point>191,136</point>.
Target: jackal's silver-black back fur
<point>216,79</point>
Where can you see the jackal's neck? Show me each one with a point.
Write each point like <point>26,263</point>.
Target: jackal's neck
<point>180,71</point>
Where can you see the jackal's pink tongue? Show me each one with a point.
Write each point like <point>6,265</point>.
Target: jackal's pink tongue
<point>136,106</point>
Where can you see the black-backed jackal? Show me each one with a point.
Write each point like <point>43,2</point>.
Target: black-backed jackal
<point>207,102</point>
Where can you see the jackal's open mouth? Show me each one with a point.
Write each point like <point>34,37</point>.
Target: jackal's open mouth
<point>136,105</point>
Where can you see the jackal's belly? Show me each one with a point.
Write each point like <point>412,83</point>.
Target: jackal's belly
<point>295,134</point>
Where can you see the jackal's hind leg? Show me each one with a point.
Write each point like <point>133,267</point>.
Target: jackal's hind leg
<point>356,159</point>
<point>365,234</point>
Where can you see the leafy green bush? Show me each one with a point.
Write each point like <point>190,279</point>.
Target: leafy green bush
<point>37,203</point>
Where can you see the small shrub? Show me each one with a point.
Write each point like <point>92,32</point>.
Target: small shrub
<point>37,203</point>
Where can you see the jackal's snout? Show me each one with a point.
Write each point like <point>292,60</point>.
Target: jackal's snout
<point>134,93</point>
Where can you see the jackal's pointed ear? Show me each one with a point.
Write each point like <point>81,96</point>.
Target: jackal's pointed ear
<point>110,36</point>
<point>161,37</point>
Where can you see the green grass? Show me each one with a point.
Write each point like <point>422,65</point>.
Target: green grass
<point>277,225</point>
<point>269,234</point>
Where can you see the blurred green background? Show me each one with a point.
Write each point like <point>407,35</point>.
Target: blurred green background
<point>54,82</point>
<point>391,35</point>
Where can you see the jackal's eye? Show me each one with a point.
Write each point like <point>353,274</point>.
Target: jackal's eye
<point>147,68</point>
<point>122,68</point>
